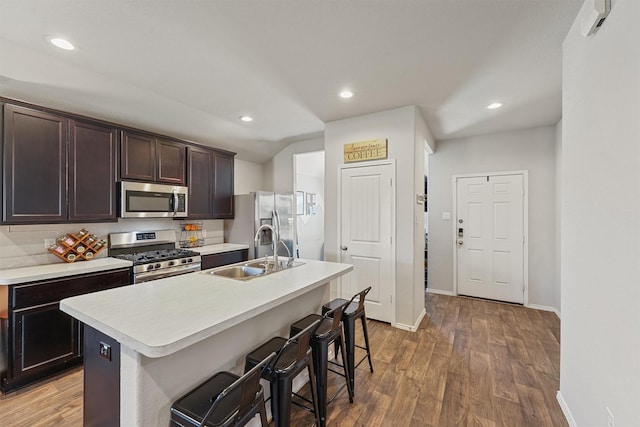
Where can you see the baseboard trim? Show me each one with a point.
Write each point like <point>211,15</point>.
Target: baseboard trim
<point>565,410</point>
<point>414,327</point>
<point>545,308</point>
<point>440,292</point>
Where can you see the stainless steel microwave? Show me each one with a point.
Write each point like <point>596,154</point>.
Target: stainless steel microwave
<point>144,200</point>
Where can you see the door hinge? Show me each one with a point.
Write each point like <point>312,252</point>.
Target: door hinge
<point>391,299</point>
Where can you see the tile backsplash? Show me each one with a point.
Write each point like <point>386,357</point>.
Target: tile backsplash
<point>24,245</point>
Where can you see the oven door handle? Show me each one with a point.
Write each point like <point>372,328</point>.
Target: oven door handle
<point>167,272</point>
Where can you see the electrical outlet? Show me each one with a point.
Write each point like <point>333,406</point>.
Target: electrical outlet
<point>48,243</point>
<point>105,351</point>
<point>610,419</point>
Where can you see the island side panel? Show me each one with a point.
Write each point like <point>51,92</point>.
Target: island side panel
<point>101,379</point>
<point>150,385</point>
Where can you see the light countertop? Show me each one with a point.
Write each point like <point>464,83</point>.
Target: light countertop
<point>219,248</point>
<point>161,317</point>
<point>13,276</point>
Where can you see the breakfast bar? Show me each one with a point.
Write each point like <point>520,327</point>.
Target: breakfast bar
<point>162,338</point>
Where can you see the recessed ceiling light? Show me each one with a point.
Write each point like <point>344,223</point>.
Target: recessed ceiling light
<point>346,94</point>
<point>62,43</point>
<point>246,118</point>
<point>495,105</point>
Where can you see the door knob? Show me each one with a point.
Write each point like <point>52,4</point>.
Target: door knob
<point>343,247</point>
<point>460,242</point>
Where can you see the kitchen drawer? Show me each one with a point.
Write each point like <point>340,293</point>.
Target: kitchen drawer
<point>54,290</point>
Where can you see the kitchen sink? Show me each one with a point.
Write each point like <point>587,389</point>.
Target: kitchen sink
<point>282,264</point>
<point>249,270</point>
<point>238,272</point>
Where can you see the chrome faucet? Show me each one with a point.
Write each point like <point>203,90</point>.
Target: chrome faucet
<point>274,244</point>
<point>289,257</point>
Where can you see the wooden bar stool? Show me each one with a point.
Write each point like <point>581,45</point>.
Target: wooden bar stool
<point>293,356</point>
<point>225,399</point>
<point>352,311</point>
<point>328,331</point>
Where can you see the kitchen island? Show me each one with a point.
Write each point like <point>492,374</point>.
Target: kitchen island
<point>169,335</point>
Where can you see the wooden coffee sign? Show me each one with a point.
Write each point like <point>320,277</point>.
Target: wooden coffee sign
<point>375,149</point>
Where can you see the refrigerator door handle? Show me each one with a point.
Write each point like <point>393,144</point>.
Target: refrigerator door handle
<point>277,221</point>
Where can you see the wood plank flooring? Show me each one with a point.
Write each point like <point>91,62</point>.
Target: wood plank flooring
<point>471,363</point>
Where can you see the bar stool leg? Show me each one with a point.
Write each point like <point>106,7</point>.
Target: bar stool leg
<point>320,366</point>
<point>350,344</point>
<point>314,394</point>
<point>282,415</point>
<point>263,415</point>
<point>366,340</point>
<point>346,369</point>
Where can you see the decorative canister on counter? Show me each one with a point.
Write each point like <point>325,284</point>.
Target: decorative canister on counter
<point>77,246</point>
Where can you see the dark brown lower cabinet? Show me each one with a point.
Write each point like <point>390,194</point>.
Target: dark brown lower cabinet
<point>44,337</point>
<point>38,339</point>
<point>225,258</point>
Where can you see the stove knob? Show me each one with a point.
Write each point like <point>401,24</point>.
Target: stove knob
<point>183,261</point>
<point>190,260</point>
<point>149,267</point>
<point>171,263</point>
<point>158,265</point>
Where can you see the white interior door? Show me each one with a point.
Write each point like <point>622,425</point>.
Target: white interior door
<point>366,234</point>
<point>490,237</point>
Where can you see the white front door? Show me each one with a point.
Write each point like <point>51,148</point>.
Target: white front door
<point>366,231</point>
<point>490,237</point>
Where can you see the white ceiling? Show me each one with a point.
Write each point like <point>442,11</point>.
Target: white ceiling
<point>190,68</point>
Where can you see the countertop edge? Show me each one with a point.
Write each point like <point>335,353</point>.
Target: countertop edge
<point>16,276</point>
<point>156,351</point>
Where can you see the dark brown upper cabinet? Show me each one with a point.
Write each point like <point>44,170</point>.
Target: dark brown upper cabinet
<point>35,167</point>
<point>210,174</point>
<point>200,166</point>
<point>146,158</point>
<point>92,172</point>
<point>45,183</point>
<point>223,186</point>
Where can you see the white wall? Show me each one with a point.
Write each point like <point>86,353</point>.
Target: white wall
<point>600,357</point>
<point>278,172</point>
<point>310,227</point>
<point>529,149</point>
<point>247,177</point>
<point>398,126</point>
<point>557,216</point>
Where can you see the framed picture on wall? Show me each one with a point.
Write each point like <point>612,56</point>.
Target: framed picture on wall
<point>300,202</point>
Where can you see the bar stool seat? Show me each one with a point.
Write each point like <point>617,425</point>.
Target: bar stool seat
<point>225,399</point>
<point>329,330</point>
<point>293,356</point>
<point>352,311</point>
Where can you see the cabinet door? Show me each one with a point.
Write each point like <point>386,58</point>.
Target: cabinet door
<point>138,157</point>
<point>223,186</point>
<point>35,161</point>
<point>171,162</point>
<point>200,163</point>
<point>44,337</point>
<point>92,172</point>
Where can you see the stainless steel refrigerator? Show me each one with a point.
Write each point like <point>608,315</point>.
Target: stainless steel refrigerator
<point>255,209</point>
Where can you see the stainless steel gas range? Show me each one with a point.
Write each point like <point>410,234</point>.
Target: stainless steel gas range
<point>154,254</point>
